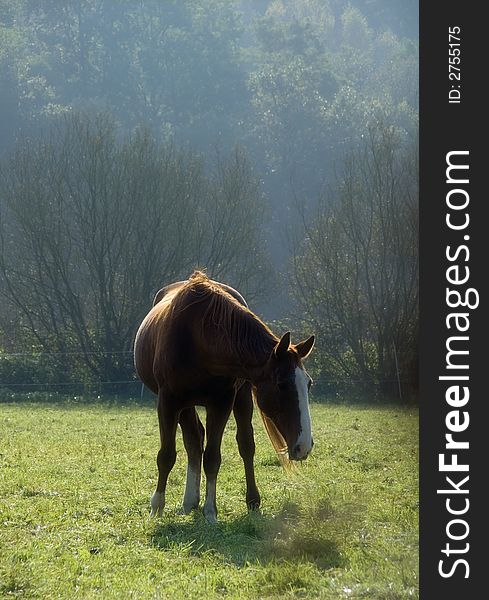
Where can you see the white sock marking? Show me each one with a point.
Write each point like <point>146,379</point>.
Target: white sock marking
<point>191,497</point>
<point>157,504</point>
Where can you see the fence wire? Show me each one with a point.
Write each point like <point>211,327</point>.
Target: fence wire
<point>132,386</point>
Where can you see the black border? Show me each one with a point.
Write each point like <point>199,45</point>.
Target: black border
<point>445,127</point>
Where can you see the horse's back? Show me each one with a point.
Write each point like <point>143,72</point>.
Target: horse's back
<point>167,291</point>
<point>174,287</point>
<point>160,345</point>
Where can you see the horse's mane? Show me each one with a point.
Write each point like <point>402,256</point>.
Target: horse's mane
<point>234,329</point>
<point>228,324</point>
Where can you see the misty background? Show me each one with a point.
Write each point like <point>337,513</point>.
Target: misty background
<point>273,143</point>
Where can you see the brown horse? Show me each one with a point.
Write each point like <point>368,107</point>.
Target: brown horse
<point>201,345</point>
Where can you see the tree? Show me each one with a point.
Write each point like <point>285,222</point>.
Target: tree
<point>92,226</point>
<point>171,65</point>
<point>357,271</point>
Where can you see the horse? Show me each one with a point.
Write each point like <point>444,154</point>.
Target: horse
<point>200,345</point>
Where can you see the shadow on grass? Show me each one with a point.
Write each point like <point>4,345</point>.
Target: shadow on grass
<point>257,537</point>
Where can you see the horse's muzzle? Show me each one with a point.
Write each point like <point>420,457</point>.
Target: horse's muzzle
<point>300,452</point>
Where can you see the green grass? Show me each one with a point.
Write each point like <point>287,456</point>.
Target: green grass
<point>75,482</point>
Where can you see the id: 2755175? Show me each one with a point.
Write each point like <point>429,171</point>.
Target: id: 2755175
<point>454,65</point>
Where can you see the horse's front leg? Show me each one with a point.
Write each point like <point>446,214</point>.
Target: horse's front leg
<point>243,413</point>
<point>217,416</point>
<point>168,419</point>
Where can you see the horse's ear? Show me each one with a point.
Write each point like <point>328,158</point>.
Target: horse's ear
<point>305,348</point>
<point>281,348</point>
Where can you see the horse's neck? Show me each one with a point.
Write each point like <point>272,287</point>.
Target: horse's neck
<point>229,364</point>
<point>246,350</point>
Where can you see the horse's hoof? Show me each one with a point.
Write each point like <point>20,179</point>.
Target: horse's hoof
<point>156,512</point>
<point>157,504</point>
<point>210,517</point>
<point>253,506</point>
<point>186,510</point>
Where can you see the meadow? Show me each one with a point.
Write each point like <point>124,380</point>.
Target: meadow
<point>75,482</point>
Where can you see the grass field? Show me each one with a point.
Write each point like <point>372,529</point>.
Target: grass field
<point>75,482</point>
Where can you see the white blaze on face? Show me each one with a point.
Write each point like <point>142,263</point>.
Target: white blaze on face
<point>305,435</point>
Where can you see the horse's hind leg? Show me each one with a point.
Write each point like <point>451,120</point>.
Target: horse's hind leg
<point>243,412</point>
<point>217,416</point>
<point>168,419</point>
<point>193,440</point>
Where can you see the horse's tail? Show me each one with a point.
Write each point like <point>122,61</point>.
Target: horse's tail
<point>278,442</point>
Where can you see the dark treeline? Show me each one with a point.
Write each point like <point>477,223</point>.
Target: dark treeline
<point>272,142</point>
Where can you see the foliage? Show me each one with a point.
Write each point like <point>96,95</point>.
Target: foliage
<point>74,492</point>
<point>30,369</point>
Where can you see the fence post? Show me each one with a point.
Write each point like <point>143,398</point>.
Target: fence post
<point>397,370</point>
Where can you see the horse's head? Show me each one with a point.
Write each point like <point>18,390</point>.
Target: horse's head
<point>282,394</point>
